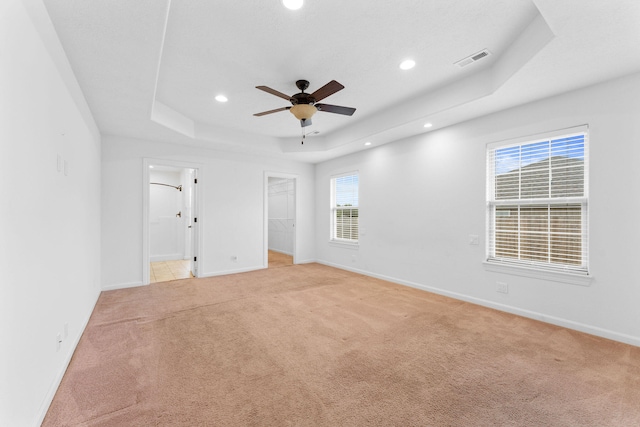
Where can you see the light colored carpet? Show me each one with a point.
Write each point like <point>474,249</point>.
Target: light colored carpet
<point>311,345</point>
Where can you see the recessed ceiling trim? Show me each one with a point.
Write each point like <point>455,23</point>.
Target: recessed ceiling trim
<point>162,42</point>
<point>170,118</point>
<point>388,126</point>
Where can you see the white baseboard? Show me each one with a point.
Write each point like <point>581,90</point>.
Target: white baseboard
<point>558,321</point>
<point>214,274</point>
<point>123,286</point>
<point>226,272</point>
<point>46,403</point>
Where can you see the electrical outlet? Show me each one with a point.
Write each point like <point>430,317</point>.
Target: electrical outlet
<point>473,239</point>
<point>502,287</point>
<point>234,258</point>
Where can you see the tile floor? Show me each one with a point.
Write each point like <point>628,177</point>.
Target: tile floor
<point>278,259</point>
<point>163,271</point>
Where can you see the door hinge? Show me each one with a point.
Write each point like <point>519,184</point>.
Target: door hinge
<point>195,258</point>
<point>195,181</point>
<point>195,219</point>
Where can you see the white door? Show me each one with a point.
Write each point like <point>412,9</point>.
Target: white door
<point>193,226</point>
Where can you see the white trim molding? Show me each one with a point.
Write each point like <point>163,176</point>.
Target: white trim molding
<point>558,321</point>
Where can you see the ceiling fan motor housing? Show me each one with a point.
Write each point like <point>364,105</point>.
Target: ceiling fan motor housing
<point>303,108</point>
<point>302,98</point>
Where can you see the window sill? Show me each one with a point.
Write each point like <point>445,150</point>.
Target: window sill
<point>344,244</point>
<point>535,273</point>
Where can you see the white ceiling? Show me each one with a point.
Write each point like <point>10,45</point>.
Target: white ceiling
<point>150,69</point>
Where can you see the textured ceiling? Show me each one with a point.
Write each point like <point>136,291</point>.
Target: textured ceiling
<point>150,69</point>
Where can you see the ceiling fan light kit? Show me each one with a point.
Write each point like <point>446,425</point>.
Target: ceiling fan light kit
<point>303,111</point>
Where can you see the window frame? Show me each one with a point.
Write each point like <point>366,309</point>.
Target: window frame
<point>493,202</point>
<point>333,238</point>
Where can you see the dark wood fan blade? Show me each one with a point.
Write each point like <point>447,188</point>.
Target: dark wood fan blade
<point>274,92</point>
<point>326,90</point>
<point>328,108</point>
<point>305,122</point>
<point>271,111</point>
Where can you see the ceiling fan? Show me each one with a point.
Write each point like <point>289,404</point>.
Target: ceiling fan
<point>304,104</point>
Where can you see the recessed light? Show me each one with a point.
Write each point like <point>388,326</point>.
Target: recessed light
<point>367,143</point>
<point>428,125</point>
<point>292,4</point>
<point>221,98</point>
<point>150,166</point>
<point>407,64</point>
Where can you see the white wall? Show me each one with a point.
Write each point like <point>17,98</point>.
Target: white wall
<point>49,218</point>
<point>281,214</point>
<point>421,198</point>
<point>232,207</point>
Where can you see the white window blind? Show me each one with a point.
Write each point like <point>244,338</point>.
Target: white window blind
<point>344,209</point>
<point>537,199</point>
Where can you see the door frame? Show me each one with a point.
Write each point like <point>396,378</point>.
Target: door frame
<point>196,209</point>
<point>267,175</point>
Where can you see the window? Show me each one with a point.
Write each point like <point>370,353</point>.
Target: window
<point>344,208</point>
<point>537,196</point>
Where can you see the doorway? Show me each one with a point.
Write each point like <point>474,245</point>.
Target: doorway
<point>280,215</point>
<point>170,242</point>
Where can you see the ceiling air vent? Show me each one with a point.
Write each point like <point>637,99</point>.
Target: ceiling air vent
<point>473,58</point>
